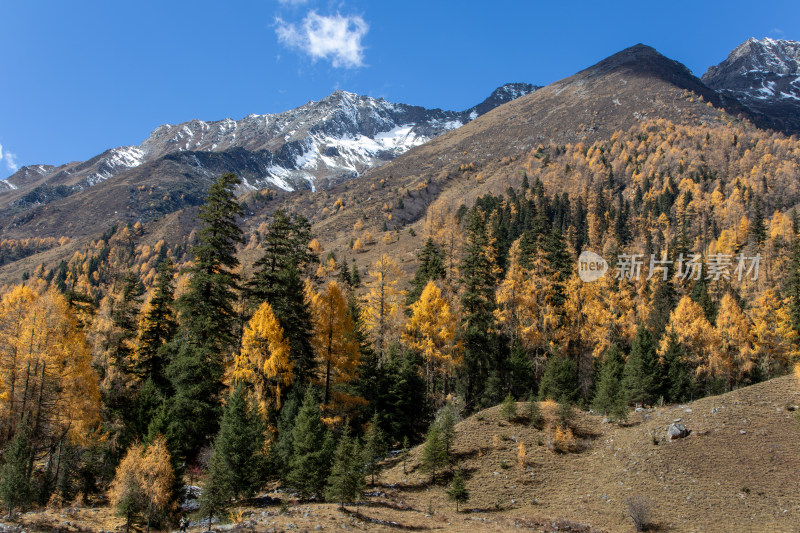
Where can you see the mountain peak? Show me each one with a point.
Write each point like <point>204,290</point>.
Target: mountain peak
<point>765,76</point>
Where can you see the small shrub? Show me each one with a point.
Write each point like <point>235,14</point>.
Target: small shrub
<point>534,412</point>
<point>639,509</point>
<point>565,414</point>
<point>504,464</point>
<point>562,440</point>
<point>509,408</point>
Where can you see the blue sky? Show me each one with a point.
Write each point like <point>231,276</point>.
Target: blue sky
<point>80,77</point>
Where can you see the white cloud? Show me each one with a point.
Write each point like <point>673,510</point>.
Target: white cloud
<point>335,38</point>
<point>11,159</point>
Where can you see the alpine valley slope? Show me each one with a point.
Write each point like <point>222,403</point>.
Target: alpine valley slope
<point>633,86</point>
<point>315,145</point>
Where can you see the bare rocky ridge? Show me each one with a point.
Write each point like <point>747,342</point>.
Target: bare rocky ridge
<point>765,76</point>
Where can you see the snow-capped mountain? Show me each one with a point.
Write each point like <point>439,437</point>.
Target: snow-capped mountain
<point>765,76</point>
<point>322,141</point>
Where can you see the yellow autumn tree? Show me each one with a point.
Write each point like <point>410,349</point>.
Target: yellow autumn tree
<point>142,485</point>
<point>382,307</point>
<point>774,337</point>
<point>263,362</point>
<point>692,331</point>
<point>336,348</point>
<point>734,358</point>
<point>430,331</point>
<point>46,371</point>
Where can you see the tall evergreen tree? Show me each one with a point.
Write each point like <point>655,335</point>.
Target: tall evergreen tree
<point>677,384</point>
<point>640,376</point>
<point>240,444</point>
<point>157,327</point>
<point>375,447</point>
<point>207,309</point>
<point>217,491</point>
<point>608,398</point>
<point>312,448</point>
<point>16,489</point>
<point>560,380</point>
<point>479,278</point>
<point>758,229</point>
<point>278,281</point>
<point>664,300</point>
<point>346,482</point>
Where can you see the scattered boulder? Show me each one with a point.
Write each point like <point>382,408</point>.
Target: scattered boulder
<point>677,430</point>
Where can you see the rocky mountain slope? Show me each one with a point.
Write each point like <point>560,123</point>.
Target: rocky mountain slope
<point>765,76</point>
<point>335,138</point>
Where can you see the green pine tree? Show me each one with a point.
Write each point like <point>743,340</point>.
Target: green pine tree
<point>640,376</point>
<point>560,380</point>
<point>479,279</point>
<point>458,491</point>
<point>278,281</point>
<point>16,490</point>
<point>430,267</point>
<point>240,444</point>
<point>207,307</point>
<point>190,417</point>
<point>158,327</point>
<point>346,481</point>
<point>312,448</point>
<point>508,409</point>
<point>434,452</point>
<point>375,447</point>
<point>677,384</point>
<point>608,398</point>
<point>533,411</point>
<point>217,492</point>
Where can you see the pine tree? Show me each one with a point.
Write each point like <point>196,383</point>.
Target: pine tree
<point>608,398</point>
<point>16,490</point>
<point>281,451</point>
<point>434,452</point>
<point>240,444</point>
<point>479,277</point>
<point>639,378</point>
<point>374,446</point>
<point>560,380</point>
<point>677,385</point>
<point>430,268</point>
<point>278,282</point>
<point>312,447</point>
<point>157,326</point>
<point>664,300</point>
<point>758,229</point>
<point>217,490</point>
<point>405,452</point>
<point>508,409</point>
<point>346,481</point>
<point>190,417</point>
<point>207,307</point>
<point>458,491</point>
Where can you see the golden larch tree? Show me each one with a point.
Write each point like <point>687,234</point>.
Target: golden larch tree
<point>382,308</point>
<point>336,347</point>
<point>774,337</point>
<point>431,331</point>
<point>263,361</point>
